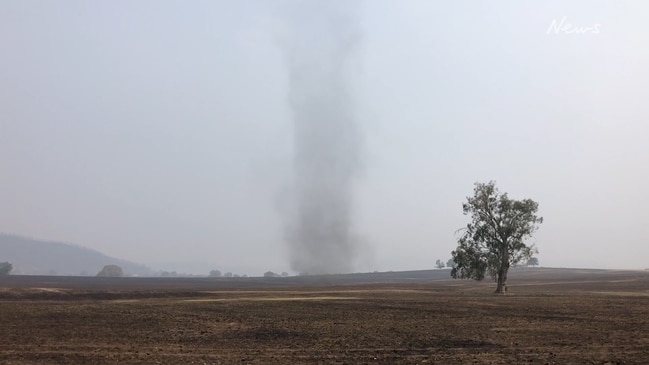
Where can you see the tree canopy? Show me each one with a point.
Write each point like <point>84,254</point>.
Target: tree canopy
<point>494,240</point>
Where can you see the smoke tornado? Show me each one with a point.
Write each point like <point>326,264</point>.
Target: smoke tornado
<point>322,45</point>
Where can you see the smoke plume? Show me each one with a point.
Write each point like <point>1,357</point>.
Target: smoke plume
<point>320,55</point>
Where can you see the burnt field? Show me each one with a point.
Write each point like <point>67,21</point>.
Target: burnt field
<point>549,316</point>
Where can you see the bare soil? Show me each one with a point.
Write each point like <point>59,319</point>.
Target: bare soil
<point>547,317</point>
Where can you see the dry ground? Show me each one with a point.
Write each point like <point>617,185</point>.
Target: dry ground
<point>548,317</point>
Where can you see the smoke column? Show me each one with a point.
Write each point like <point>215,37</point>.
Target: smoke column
<point>322,45</point>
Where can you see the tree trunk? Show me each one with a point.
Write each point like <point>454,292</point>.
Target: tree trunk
<point>501,288</point>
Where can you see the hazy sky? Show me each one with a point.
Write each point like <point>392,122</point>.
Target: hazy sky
<point>161,131</point>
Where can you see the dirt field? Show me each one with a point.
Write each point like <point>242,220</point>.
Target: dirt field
<point>548,317</point>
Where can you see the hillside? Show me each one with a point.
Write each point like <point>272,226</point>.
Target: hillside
<point>34,257</point>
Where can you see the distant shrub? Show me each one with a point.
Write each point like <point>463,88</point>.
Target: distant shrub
<point>111,271</point>
<point>215,273</point>
<point>270,274</point>
<point>5,268</point>
<point>533,261</point>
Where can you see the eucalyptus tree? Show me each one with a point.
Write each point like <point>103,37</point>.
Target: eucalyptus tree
<point>494,239</point>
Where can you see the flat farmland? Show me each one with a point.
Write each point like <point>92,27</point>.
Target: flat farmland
<point>549,316</point>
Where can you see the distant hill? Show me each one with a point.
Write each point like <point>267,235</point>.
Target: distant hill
<point>34,257</point>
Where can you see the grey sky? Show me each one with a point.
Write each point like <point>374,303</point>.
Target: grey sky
<point>161,131</point>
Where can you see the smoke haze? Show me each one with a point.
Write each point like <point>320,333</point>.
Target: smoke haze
<point>319,51</point>
<point>172,133</point>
